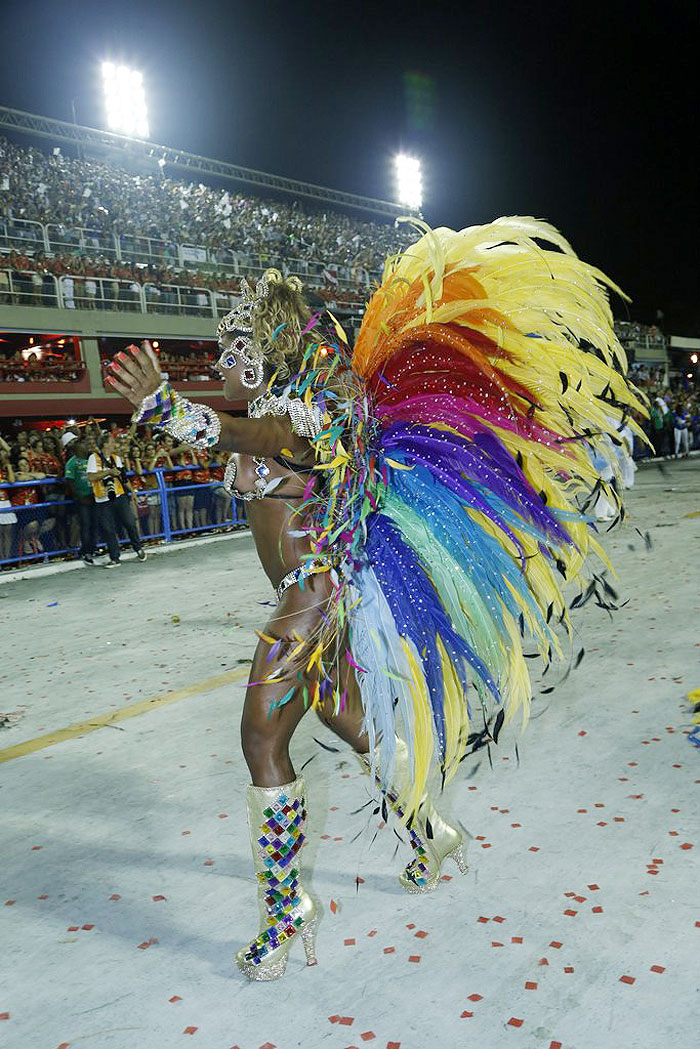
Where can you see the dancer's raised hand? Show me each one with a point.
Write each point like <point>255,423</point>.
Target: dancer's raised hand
<point>135,373</point>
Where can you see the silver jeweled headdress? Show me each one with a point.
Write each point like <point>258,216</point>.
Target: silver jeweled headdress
<point>240,320</point>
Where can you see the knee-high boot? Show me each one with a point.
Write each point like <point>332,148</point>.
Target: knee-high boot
<point>277,823</point>
<point>432,839</point>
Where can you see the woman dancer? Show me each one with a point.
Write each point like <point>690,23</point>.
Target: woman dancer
<point>413,502</point>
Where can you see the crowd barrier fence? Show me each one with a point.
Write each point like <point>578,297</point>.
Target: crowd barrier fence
<point>37,532</point>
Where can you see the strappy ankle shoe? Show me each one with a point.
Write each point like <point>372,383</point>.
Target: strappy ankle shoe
<point>432,839</point>
<point>276,820</point>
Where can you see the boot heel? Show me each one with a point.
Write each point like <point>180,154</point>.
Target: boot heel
<point>308,938</point>
<point>458,856</point>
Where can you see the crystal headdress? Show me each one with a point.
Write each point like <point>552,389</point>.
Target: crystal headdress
<point>240,320</point>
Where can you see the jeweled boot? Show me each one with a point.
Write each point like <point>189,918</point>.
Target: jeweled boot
<point>277,820</point>
<point>432,839</point>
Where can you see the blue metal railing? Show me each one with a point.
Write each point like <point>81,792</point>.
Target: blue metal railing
<point>43,530</point>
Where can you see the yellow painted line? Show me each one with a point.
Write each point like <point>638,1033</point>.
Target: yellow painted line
<point>81,728</point>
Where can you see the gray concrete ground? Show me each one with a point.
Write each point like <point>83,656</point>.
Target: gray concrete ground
<point>126,872</point>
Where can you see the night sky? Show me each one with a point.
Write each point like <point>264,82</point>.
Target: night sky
<point>585,115</point>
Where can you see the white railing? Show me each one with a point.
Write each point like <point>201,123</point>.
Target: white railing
<point>22,235</point>
<point>58,239</point>
<point>77,240</point>
<point>28,288</point>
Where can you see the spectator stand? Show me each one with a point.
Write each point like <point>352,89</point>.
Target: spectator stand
<point>45,522</point>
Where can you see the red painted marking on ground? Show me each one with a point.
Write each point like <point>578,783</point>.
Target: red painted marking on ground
<point>411,925</point>
<point>516,939</point>
<point>658,969</point>
<point>190,1030</point>
<point>465,1013</point>
<point>87,927</point>
<point>349,943</point>
<point>346,1021</point>
<point>10,903</point>
<point>597,910</point>
<point>223,815</point>
<point>495,943</point>
<point>555,1045</point>
<point>334,1019</point>
<point>73,928</point>
<point>530,985</point>
<point>368,1036</point>
<point>486,845</point>
<point>593,887</point>
<point>627,979</point>
<point>514,1021</point>
<point>498,918</point>
<point>4,1016</point>
<point>572,914</point>
<point>543,961</point>
<point>393,1045</point>
<point>568,968</point>
<point>147,943</point>
<point>534,848</point>
<point>580,899</point>
<point>372,932</point>
<point>687,845</point>
<point>414,957</point>
<point>483,919</point>
<point>208,863</point>
<point>115,896</point>
<point>389,950</point>
<point>334,907</point>
<point>157,898</point>
<point>556,944</point>
<point>175,998</point>
<point>421,934</point>
<point>476,997</point>
<point>184,832</point>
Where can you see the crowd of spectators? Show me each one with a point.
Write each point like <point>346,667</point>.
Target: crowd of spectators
<point>73,193</point>
<point>39,456</point>
<point>673,422</point>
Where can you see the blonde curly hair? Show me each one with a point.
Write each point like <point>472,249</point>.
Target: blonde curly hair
<point>278,323</point>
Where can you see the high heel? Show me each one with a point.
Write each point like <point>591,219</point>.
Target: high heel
<point>458,856</point>
<point>432,838</point>
<point>308,938</point>
<point>277,820</point>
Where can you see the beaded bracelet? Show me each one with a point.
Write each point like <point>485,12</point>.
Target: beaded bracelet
<point>193,424</point>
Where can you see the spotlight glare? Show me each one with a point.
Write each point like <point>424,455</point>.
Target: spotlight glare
<point>125,100</point>
<point>694,358</point>
<point>71,422</point>
<point>409,181</point>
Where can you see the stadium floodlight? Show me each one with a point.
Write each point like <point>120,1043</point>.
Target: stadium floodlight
<point>409,181</point>
<point>125,100</point>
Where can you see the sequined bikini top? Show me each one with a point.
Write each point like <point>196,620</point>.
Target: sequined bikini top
<point>306,422</point>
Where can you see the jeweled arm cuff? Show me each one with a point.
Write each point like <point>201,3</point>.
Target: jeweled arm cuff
<point>193,424</point>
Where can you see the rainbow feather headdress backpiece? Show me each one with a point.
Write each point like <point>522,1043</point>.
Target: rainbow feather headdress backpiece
<point>457,450</point>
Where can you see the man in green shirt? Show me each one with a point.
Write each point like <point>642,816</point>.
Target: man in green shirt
<point>79,489</point>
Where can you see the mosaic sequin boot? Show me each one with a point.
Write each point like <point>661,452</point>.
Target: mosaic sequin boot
<point>432,839</point>
<point>277,819</point>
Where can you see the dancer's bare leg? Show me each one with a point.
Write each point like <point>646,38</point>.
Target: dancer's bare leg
<point>266,731</point>
<point>348,723</point>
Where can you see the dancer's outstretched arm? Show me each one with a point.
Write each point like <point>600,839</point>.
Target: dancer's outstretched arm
<point>136,375</point>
